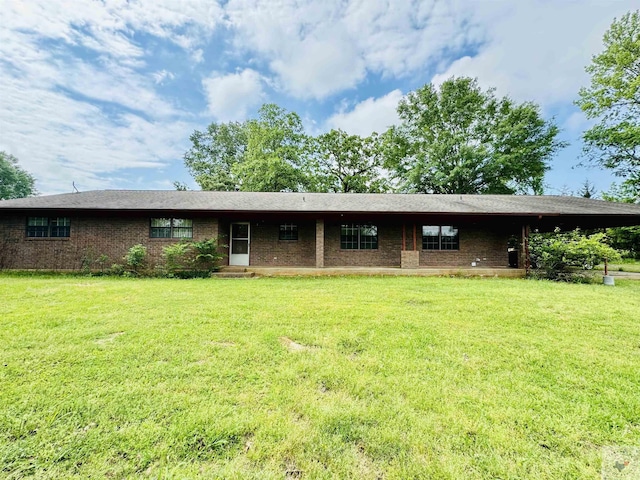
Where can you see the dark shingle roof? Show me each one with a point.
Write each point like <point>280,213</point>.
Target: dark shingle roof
<point>172,200</point>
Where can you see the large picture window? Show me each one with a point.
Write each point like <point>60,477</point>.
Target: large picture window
<point>358,237</point>
<point>42,227</point>
<point>171,228</point>
<point>440,237</point>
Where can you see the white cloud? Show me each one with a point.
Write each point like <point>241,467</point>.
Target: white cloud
<point>320,48</point>
<point>536,50</point>
<point>229,97</point>
<point>370,115</point>
<point>61,140</point>
<point>161,75</point>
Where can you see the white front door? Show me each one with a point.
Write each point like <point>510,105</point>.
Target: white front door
<point>239,248</point>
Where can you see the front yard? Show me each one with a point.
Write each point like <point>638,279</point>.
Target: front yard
<point>315,377</point>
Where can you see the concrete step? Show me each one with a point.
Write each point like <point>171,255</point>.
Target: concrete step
<point>227,274</point>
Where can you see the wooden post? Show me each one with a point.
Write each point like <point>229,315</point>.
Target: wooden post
<point>525,245</point>
<point>415,247</point>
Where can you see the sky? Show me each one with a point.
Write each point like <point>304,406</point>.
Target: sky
<point>105,94</point>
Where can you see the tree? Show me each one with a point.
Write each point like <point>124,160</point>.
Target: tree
<point>460,139</point>
<point>565,255</point>
<point>14,181</point>
<point>264,154</point>
<point>276,152</point>
<point>215,153</point>
<point>614,98</point>
<point>348,163</point>
<point>587,190</point>
<point>626,239</point>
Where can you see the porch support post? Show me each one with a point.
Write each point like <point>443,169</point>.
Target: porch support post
<point>320,243</point>
<point>525,248</point>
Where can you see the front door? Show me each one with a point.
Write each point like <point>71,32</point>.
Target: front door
<point>239,248</point>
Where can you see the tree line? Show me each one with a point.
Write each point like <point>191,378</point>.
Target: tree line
<point>453,139</point>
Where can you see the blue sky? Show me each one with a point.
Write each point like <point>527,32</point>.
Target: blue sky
<point>105,94</point>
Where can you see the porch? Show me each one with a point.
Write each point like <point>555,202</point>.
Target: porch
<point>504,272</point>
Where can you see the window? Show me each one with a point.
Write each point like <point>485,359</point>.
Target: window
<point>171,228</point>
<point>359,237</point>
<point>435,237</point>
<point>288,231</point>
<point>41,227</point>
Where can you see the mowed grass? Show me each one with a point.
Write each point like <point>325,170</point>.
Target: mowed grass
<point>441,378</point>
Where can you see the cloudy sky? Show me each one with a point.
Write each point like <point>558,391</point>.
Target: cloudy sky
<point>105,94</point>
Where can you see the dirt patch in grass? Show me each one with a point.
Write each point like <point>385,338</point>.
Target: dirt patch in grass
<point>292,346</point>
<point>109,338</point>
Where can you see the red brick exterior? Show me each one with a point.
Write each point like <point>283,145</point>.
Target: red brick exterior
<point>114,235</point>
<point>90,237</point>
<point>387,254</point>
<point>488,248</point>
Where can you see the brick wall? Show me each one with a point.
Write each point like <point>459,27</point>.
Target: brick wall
<point>268,251</point>
<point>113,236</point>
<point>387,254</point>
<point>90,237</point>
<point>487,245</point>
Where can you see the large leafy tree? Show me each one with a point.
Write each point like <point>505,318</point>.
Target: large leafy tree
<point>460,139</point>
<point>346,163</point>
<point>276,152</point>
<point>614,98</point>
<point>14,181</point>
<point>263,154</point>
<point>215,153</point>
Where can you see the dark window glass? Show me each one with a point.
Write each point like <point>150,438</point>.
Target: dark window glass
<point>436,237</point>
<point>358,237</point>
<point>42,227</point>
<point>171,228</point>
<point>449,238</point>
<point>240,230</point>
<point>181,228</point>
<point>288,231</point>
<point>368,237</point>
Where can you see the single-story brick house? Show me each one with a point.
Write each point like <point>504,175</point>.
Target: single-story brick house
<point>293,229</point>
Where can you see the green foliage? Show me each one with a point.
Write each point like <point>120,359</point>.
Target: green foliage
<point>626,240</point>
<point>614,98</point>
<point>191,259</point>
<point>14,181</point>
<point>136,257</point>
<point>566,256</point>
<point>460,139</point>
<point>264,154</point>
<point>117,269</point>
<point>346,163</point>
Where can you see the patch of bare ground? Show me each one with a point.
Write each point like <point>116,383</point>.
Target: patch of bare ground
<point>292,346</point>
<point>109,338</point>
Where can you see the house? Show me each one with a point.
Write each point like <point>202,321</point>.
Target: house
<point>317,230</point>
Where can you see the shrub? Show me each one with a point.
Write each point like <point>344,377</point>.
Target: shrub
<point>136,257</point>
<point>116,269</point>
<point>627,239</point>
<point>188,259</point>
<point>568,256</point>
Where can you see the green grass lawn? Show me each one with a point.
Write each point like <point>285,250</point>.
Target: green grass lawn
<point>627,265</point>
<point>350,377</point>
